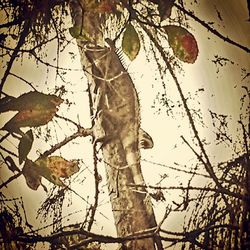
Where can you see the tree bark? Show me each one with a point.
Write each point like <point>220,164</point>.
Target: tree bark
<point>116,115</point>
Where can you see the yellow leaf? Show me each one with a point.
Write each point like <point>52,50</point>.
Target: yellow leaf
<point>55,167</point>
<point>61,167</point>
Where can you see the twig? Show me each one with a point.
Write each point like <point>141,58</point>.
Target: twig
<point>80,132</point>
<point>20,43</point>
<point>67,120</point>
<point>10,179</point>
<point>208,189</point>
<point>167,212</point>
<point>20,78</point>
<point>176,169</point>
<point>8,151</point>
<point>208,165</point>
<point>97,181</point>
<point>197,155</point>
<point>95,237</point>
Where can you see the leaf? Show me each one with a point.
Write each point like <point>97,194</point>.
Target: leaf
<point>61,167</point>
<point>33,179</point>
<point>158,196</point>
<point>75,31</point>
<point>30,100</point>
<point>78,33</point>
<point>35,109</point>
<point>43,170</point>
<point>25,145</point>
<point>130,42</point>
<point>30,118</point>
<point>4,103</point>
<point>182,42</point>
<point>55,167</point>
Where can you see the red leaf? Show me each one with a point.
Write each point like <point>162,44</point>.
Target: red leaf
<point>182,42</point>
<point>35,109</point>
<point>30,118</point>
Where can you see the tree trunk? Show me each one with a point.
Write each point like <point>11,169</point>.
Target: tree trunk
<point>116,126</point>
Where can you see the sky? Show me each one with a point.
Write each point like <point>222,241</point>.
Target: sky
<point>222,91</point>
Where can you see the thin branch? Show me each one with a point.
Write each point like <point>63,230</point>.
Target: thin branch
<point>81,132</point>
<point>176,169</point>
<point>4,184</point>
<point>208,189</point>
<point>97,181</point>
<point>20,78</point>
<point>95,237</point>
<point>95,161</point>
<point>245,138</point>
<point>198,231</point>
<point>51,65</point>
<point>197,155</point>
<point>167,212</point>
<point>67,120</point>
<point>4,137</point>
<point>208,165</point>
<point>8,151</point>
<point>212,30</point>
<point>20,43</point>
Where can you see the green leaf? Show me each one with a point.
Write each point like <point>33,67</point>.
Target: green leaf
<point>25,145</point>
<point>183,43</point>
<point>78,33</point>
<point>75,31</point>
<point>131,42</point>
